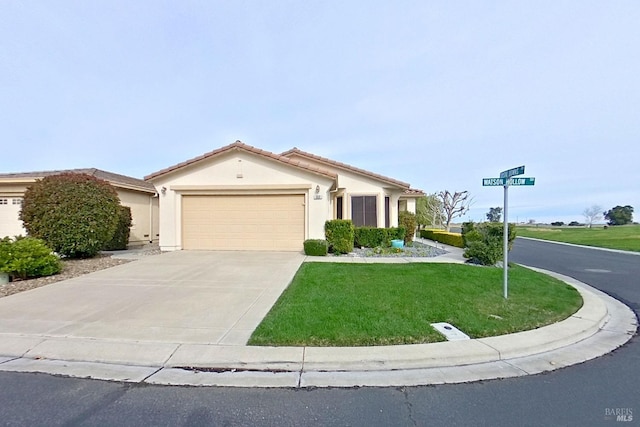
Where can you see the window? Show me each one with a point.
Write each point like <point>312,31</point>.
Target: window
<point>364,212</point>
<point>4,201</point>
<point>339,207</point>
<point>387,214</point>
<point>17,201</point>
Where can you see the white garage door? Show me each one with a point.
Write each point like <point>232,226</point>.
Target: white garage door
<point>10,225</point>
<point>255,223</point>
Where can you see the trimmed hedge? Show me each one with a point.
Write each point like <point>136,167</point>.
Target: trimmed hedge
<point>340,235</point>
<point>120,238</point>
<point>372,237</point>
<point>448,238</point>
<point>316,247</point>
<point>27,257</point>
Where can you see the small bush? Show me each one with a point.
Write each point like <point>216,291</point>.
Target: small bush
<point>484,242</point>
<point>5,253</point>
<point>371,237</point>
<point>316,247</point>
<point>407,220</point>
<point>485,252</point>
<point>448,238</point>
<point>120,238</point>
<point>27,257</point>
<point>340,235</point>
<point>468,229</point>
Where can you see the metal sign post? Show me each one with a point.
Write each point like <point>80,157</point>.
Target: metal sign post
<point>505,181</point>
<point>505,244</point>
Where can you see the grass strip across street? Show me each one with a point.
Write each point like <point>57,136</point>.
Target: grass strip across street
<point>624,237</point>
<point>331,304</point>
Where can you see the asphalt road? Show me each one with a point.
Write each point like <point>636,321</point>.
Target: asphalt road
<point>589,394</point>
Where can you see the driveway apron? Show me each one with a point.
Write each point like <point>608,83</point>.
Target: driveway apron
<point>198,297</point>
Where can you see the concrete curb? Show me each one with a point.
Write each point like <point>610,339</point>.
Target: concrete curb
<point>600,326</point>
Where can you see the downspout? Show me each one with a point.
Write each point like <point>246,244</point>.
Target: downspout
<point>151,236</point>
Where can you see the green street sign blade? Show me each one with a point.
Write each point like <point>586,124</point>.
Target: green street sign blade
<point>521,181</point>
<point>493,182</point>
<point>512,172</point>
<point>500,182</point>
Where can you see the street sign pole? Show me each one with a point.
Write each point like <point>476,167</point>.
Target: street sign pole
<point>505,244</point>
<point>507,179</point>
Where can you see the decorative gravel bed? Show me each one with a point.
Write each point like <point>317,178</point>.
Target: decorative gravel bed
<point>416,250</point>
<point>70,268</point>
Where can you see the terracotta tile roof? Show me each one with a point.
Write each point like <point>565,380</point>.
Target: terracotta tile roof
<point>413,192</point>
<point>346,167</point>
<point>238,145</point>
<point>114,178</point>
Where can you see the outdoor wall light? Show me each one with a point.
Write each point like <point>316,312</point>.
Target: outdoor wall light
<point>317,189</point>
<point>163,190</point>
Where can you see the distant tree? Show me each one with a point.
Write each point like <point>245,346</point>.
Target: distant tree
<point>574,224</point>
<point>557,223</point>
<point>592,214</point>
<point>453,205</point>
<point>429,211</point>
<point>619,215</point>
<point>494,214</point>
<point>531,221</point>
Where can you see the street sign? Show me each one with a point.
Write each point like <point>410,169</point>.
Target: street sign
<point>512,172</point>
<point>493,182</point>
<point>521,181</point>
<point>500,182</point>
<point>507,181</point>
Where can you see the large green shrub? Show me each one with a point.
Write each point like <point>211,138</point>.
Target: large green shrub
<point>120,238</point>
<point>484,242</point>
<point>340,235</point>
<point>467,228</point>
<point>316,247</point>
<point>75,214</point>
<point>407,220</point>
<point>472,232</point>
<point>27,257</point>
<point>372,237</point>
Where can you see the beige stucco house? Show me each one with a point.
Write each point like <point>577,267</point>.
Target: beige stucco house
<point>239,197</point>
<point>135,193</point>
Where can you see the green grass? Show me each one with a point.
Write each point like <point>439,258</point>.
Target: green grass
<point>334,304</point>
<point>626,237</point>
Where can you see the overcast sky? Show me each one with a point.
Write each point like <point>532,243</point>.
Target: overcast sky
<point>438,94</point>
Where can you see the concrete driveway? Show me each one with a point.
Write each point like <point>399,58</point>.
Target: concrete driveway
<point>177,297</point>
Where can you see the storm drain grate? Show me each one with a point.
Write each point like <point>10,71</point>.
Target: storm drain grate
<point>450,332</point>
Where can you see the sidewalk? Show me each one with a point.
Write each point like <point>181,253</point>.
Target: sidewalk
<point>600,326</point>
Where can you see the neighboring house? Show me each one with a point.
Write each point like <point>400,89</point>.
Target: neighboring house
<point>240,197</point>
<point>135,193</point>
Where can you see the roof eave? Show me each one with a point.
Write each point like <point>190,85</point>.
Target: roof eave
<point>239,146</point>
<point>349,168</point>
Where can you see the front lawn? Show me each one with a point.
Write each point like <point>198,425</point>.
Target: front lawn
<point>343,304</point>
<point>624,237</point>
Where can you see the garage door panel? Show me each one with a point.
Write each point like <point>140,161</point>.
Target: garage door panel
<point>10,224</point>
<point>265,222</point>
